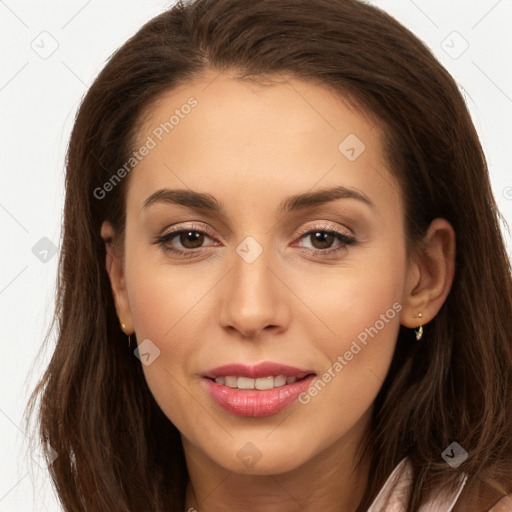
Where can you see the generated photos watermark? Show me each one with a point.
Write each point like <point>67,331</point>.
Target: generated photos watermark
<point>151,142</point>
<point>343,360</point>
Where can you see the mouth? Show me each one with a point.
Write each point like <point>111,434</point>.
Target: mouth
<point>255,391</point>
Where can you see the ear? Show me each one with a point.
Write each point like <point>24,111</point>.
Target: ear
<point>431,273</point>
<point>114,266</point>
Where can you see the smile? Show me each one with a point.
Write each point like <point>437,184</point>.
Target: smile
<point>255,391</point>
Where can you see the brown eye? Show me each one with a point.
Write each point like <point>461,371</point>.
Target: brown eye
<point>191,239</point>
<point>322,239</point>
<point>186,242</point>
<point>325,241</point>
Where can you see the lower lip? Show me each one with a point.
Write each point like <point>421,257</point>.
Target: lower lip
<point>254,403</point>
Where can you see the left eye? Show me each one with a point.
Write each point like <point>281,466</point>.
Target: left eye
<point>324,239</point>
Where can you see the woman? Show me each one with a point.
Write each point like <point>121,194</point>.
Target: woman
<point>229,159</point>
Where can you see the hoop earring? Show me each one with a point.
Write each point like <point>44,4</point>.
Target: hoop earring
<point>129,336</point>
<point>419,332</point>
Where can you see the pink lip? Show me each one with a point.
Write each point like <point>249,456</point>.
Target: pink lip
<point>252,402</point>
<point>258,370</point>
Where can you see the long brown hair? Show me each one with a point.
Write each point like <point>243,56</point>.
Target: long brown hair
<point>116,449</point>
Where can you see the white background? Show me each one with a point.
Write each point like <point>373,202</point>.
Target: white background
<point>39,97</point>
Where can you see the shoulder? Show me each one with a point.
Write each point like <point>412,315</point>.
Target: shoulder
<point>486,503</point>
<point>504,505</point>
<point>395,494</point>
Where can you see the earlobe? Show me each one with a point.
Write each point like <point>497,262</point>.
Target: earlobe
<point>430,276</point>
<point>114,267</point>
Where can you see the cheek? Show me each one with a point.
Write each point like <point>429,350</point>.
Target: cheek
<point>358,359</point>
<point>164,297</point>
<point>170,306</point>
<point>363,313</point>
<point>169,309</point>
<point>360,302</point>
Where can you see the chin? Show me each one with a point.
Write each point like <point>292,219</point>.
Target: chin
<point>260,457</point>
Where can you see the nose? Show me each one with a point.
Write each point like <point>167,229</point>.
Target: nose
<point>253,298</point>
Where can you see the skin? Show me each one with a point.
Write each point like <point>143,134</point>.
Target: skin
<point>251,146</point>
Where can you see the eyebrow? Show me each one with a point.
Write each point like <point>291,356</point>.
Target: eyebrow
<point>202,201</point>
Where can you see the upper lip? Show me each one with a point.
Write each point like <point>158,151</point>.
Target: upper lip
<point>256,371</point>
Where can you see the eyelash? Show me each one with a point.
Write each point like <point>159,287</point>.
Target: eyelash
<point>162,240</point>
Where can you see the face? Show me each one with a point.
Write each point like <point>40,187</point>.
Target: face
<point>309,288</point>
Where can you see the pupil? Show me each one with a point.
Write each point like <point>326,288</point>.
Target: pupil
<point>325,239</point>
<point>192,237</point>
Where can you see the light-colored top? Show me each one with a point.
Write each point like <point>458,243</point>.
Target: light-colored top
<point>394,494</point>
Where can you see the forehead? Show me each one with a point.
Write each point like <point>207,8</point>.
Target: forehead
<point>220,134</point>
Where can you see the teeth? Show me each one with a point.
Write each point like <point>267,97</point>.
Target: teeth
<point>245,383</point>
<point>231,382</point>
<point>279,381</point>
<point>270,382</point>
<point>264,383</point>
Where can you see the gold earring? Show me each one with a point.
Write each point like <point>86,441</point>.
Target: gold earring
<point>419,332</point>
<point>129,336</point>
